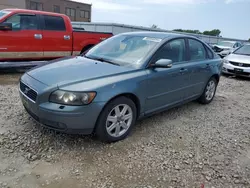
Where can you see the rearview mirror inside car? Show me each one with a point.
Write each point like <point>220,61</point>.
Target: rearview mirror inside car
<point>163,63</point>
<point>5,27</point>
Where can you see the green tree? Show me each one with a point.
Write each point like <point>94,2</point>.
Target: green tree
<point>188,31</point>
<point>214,32</point>
<point>249,39</point>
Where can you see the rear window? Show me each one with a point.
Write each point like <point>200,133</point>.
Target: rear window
<point>54,23</point>
<point>197,50</point>
<point>209,53</point>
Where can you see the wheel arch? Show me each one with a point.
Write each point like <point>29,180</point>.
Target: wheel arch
<point>87,47</point>
<point>216,76</point>
<point>131,96</point>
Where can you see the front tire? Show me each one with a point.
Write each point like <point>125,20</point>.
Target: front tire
<point>209,91</point>
<point>116,120</point>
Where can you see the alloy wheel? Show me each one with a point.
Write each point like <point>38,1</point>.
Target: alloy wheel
<point>119,120</point>
<point>210,90</point>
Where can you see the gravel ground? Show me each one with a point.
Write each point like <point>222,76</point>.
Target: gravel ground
<point>189,146</point>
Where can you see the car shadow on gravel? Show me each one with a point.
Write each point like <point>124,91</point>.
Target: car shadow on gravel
<point>36,142</point>
<point>240,78</point>
<point>8,79</point>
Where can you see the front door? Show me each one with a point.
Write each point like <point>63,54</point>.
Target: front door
<point>25,39</point>
<point>57,38</point>
<point>167,86</point>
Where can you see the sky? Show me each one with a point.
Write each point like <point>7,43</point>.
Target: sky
<point>232,17</point>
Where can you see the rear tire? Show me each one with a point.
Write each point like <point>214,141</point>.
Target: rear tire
<point>116,120</point>
<point>209,91</point>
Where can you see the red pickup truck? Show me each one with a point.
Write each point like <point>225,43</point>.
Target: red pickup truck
<point>36,35</point>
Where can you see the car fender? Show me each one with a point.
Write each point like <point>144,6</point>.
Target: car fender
<point>133,83</point>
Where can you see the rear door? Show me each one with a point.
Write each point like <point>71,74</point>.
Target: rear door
<point>25,39</point>
<point>57,39</point>
<point>199,64</point>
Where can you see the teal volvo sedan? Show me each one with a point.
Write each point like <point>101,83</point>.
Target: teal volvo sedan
<point>120,80</point>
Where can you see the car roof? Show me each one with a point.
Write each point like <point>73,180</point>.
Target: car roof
<point>161,35</point>
<point>32,11</point>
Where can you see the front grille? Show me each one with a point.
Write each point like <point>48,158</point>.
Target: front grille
<point>28,92</point>
<point>239,64</point>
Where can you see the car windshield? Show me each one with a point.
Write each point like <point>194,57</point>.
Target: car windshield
<point>123,50</point>
<point>3,13</point>
<point>244,50</point>
<point>224,43</point>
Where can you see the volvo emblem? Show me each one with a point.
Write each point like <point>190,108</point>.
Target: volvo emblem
<point>26,90</point>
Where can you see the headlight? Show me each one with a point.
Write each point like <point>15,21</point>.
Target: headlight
<point>72,98</point>
<point>225,61</point>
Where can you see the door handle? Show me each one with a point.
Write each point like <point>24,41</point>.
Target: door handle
<point>66,37</point>
<point>38,36</point>
<point>183,70</point>
<point>207,66</point>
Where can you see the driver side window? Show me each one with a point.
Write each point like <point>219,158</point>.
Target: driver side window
<point>173,50</point>
<point>23,22</point>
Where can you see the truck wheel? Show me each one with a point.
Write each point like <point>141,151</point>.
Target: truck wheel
<point>209,91</point>
<point>116,120</point>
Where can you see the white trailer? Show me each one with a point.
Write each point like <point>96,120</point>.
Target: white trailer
<point>121,28</point>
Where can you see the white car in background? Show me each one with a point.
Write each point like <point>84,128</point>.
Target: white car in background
<point>238,62</point>
<point>224,48</point>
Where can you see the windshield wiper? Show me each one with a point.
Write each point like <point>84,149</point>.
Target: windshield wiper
<point>102,60</point>
<point>107,61</point>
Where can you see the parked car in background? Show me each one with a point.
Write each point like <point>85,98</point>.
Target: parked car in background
<point>37,35</point>
<point>126,77</point>
<point>224,48</point>
<point>238,62</point>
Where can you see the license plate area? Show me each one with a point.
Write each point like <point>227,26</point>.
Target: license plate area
<point>25,101</point>
<point>238,70</point>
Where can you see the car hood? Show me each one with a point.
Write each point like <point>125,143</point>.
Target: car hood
<point>75,69</point>
<point>238,58</point>
<point>222,47</point>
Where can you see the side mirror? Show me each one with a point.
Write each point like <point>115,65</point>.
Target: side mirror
<point>6,27</point>
<point>163,63</point>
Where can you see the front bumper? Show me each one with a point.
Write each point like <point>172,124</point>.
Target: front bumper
<point>68,119</point>
<point>63,118</point>
<point>232,70</point>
